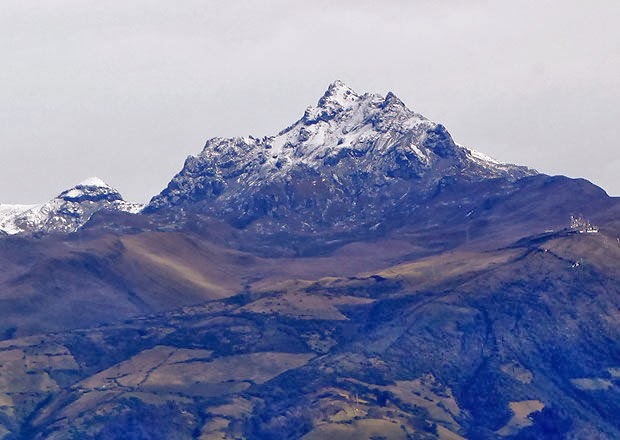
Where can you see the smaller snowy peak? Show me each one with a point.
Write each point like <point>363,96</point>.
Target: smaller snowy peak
<point>67,212</point>
<point>92,189</point>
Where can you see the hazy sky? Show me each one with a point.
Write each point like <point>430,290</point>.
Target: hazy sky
<point>125,90</point>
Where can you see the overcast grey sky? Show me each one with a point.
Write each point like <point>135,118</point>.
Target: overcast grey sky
<point>125,90</point>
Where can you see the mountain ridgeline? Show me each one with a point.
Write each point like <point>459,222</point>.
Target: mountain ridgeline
<point>359,275</point>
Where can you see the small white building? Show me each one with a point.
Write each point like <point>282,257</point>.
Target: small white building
<point>581,225</point>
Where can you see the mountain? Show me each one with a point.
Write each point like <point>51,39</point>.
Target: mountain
<point>357,276</point>
<point>67,212</point>
<point>347,152</point>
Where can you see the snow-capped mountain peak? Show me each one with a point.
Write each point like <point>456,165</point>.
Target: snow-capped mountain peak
<point>350,150</point>
<point>67,212</point>
<point>93,189</point>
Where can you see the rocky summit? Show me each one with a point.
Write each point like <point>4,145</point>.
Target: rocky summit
<point>351,163</point>
<point>357,276</point>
